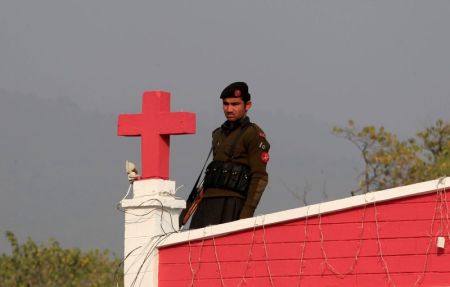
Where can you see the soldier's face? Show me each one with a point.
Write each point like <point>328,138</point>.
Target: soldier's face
<point>235,108</point>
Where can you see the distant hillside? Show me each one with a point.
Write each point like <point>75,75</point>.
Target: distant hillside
<point>61,172</point>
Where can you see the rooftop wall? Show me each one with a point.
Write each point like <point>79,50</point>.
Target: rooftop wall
<point>391,243</point>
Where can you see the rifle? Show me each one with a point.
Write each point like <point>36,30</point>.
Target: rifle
<point>195,197</point>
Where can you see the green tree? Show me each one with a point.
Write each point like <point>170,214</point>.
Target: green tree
<point>51,265</point>
<point>390,162</point>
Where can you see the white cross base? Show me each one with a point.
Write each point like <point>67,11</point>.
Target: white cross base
<point>150,215</point>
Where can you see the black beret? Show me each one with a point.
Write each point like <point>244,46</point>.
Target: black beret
<point>236,90</point>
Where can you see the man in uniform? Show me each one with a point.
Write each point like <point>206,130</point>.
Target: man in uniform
<point>236,178</point>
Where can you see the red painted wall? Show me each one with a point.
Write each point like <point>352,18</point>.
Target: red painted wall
<point>386,244</point>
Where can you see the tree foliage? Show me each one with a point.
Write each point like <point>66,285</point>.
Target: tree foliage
<point>390,162</point>
<point>51,265</point>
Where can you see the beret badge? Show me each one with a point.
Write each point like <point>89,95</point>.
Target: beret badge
<point>237,93</point>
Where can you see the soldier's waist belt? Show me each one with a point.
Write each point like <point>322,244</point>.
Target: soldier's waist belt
<point>227,175</point>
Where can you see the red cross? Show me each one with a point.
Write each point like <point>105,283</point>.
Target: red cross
<point>155,125</point>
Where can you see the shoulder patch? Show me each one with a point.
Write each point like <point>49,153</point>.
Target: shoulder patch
<point>265,157</point>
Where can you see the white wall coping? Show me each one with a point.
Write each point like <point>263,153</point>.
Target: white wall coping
<point>307,211</point>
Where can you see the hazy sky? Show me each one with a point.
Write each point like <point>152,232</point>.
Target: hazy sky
<point>68,68</point>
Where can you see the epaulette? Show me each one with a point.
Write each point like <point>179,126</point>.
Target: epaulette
<point>216,130</point>
<point>259,131</point>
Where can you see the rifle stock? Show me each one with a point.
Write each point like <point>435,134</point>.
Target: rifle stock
<point>192,206</point>
<point>194,199</point>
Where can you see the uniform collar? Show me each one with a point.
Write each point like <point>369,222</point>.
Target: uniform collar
<point>229,126</point>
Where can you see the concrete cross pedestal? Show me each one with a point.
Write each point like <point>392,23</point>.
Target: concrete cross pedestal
<point>150,216</point>
<point>153,211</point>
